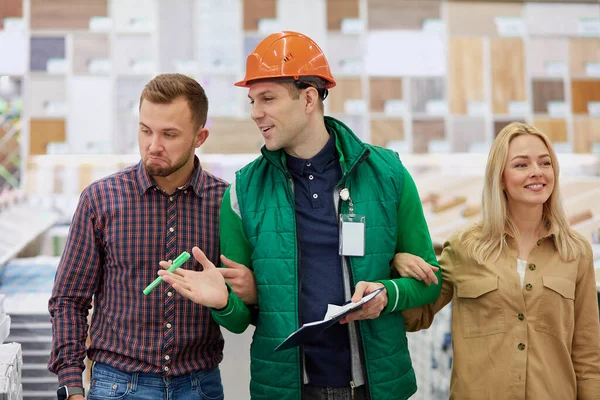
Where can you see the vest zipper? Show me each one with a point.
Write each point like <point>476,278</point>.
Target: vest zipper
<point>361,349</point>
<point>300,348</point>
<point>346,265</point>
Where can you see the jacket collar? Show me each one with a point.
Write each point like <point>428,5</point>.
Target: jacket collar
<point>350,148</point>
<point>551,232</point>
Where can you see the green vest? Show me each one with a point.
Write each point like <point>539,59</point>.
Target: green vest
<point>374,177</point>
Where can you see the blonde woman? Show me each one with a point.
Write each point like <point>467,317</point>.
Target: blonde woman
<point>525,313</point>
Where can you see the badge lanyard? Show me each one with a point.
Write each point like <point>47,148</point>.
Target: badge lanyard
<point>352,229</point>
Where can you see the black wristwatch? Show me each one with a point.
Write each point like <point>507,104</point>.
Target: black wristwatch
<point>64,392</point>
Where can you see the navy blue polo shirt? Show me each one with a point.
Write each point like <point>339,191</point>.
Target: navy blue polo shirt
<point>327,357</point>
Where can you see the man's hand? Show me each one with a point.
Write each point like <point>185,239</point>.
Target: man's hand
<point>412,266</point>
<point>76,397</point>
<point>205,287</point>
<point>241,279</point>
<point>373,308</point>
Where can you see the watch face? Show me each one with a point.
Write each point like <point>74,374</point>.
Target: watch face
<point>62,393</point>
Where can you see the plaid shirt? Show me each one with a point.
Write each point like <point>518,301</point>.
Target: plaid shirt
<point>123,226</point>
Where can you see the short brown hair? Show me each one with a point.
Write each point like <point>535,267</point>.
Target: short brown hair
<point>295,93</point>
<point>165,88</point>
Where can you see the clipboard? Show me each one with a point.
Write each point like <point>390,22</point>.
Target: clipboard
<point>334,315</point>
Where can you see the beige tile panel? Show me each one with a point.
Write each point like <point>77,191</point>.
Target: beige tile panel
<point>545,55</point>
<point>232,136</point>
<point>401,14</point>
<point>467,131</point>
<point>86,175</point>
<point>346,89</point>
<point>46,89</point>
<point>87,47</point>
<point>478,18</point>
<point>345,54</point>
<point>557,19</point>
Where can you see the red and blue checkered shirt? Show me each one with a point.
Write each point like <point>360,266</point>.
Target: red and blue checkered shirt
<point>123,226</point>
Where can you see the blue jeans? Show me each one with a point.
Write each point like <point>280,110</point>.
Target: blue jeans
<point>110,383</point>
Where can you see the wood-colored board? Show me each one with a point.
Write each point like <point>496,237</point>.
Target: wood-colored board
<point>339,10</point>
<point>554,128</point>
<point>586,131</point>
<point>66,14</point>
<point>545,91</point>
<point>466,78</point>
<point>382,90</point>
<point>424,131</point>
<point>10,9</point>
<point>255,10</point>
<point>582,52</point>
<point>44,131</point>
<point>500,124</point>
<point>384,130</point>
<point>508,73</point>
<point>584,91</point>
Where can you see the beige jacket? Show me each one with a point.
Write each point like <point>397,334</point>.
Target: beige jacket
<point>541,341</point>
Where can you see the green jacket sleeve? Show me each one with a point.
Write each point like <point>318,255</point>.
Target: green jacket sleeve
<point>413,238</point>
<point>235,317</point>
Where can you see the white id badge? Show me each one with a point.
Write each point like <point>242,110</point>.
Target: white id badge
<point>352,235</point>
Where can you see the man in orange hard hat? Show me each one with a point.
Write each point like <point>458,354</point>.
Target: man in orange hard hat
<point>318,218</point>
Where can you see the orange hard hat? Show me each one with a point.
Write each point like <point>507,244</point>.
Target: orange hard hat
<point>287,55</point>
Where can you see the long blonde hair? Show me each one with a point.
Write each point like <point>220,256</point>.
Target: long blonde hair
<point>488,237</point>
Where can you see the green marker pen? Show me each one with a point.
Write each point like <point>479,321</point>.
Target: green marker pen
<point>183,257</point>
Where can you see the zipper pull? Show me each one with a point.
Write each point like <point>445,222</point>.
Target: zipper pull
<point>352,386</point>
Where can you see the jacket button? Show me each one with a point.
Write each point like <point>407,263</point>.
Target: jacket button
<point>528,286</point>
<point>520,316</point>
<point>532,267</point>
<point>521,346</point>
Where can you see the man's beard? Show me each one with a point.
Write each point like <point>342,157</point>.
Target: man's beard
<point>155,170</point>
